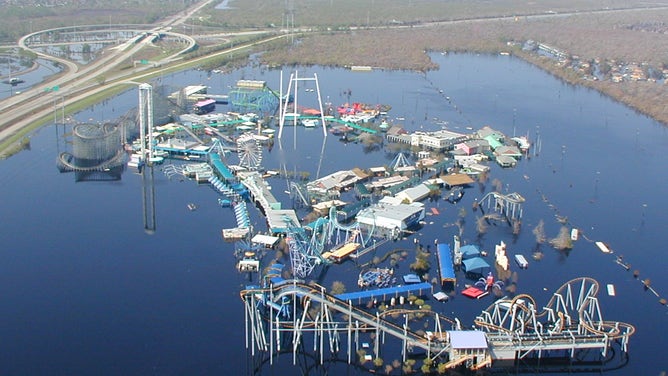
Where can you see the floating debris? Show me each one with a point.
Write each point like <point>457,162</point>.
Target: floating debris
<point>620,261</point>
<point>603,247</point>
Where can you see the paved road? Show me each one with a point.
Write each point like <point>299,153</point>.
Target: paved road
<point>21,110</point>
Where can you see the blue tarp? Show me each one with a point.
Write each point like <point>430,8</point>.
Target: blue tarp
<point>445,265</point>
<point>469,251</point>
<point>386,293</point>
<point>475,265</point>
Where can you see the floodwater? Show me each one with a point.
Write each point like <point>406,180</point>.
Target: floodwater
<point>33,76</point>
<point>88,290</point>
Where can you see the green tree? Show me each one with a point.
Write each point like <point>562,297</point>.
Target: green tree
<point>337,288</point>
<point>421,264</point>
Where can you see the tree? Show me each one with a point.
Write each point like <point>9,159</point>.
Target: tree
<point>563,240</point>
<point>421,264</point>
<point>462,213</point>
<point>481,225</point>
<point>539,232</point>
<point>337,288</point>
<point>498,185</point>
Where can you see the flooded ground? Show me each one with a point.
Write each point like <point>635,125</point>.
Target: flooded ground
<point>91,291</point>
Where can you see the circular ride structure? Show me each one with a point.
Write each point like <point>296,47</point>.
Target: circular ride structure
<point>95,147</point>
<point>249,151</point>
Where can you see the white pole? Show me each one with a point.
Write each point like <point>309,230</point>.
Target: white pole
<point>285,107</point>
<point>322,114</point>
<point>280,102</point>
<point>294,109</point>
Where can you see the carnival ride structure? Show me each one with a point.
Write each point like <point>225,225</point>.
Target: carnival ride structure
<point>514,328</point>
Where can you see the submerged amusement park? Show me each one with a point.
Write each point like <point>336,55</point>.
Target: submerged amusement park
<point>355,220</point>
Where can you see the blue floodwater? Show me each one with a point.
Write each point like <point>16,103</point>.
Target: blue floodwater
<point>87,291</point>
<point>30,78</point>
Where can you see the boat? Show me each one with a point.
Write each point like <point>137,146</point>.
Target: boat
<point>441,296</point>
<point>603,247</point>
<point>521,261</point>
<point>611,289</point>
<point>574,234</point>
<point>192,207</point>
<point>310,123</point>
<point>522,142</point>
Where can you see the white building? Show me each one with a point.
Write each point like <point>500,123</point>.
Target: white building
<point>395,218</point>
<point>439,140</point>
<point>413,194</point>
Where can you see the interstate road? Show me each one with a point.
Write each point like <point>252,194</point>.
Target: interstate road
<point>20,111</point>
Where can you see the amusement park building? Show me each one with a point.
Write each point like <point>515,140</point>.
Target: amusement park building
<point>413,194</point>
<point>473,146</point>
<point>392,217</point>
<point>337,181</point>
<point>438,140</point>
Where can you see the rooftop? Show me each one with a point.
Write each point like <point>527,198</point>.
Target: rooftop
<point>467,339</point>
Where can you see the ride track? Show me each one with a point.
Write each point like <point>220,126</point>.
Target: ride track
<point>573,317</point>
<point>573,322</point>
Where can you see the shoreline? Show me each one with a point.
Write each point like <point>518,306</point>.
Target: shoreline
<point>645,97</point>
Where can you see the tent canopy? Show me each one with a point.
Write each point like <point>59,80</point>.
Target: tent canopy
<point>469,251</point>
<point>475,265</point>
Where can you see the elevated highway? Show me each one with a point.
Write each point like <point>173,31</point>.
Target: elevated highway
<point>78,82</point>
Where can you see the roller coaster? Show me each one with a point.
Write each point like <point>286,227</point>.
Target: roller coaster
<point>306,253</point>
<point>513,328</point>
<point>573,321</point>
<point>508,205</point>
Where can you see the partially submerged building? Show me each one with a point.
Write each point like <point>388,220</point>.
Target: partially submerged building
<point>414,194</point>
<point>332,184</point>
<point>392,218</point>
